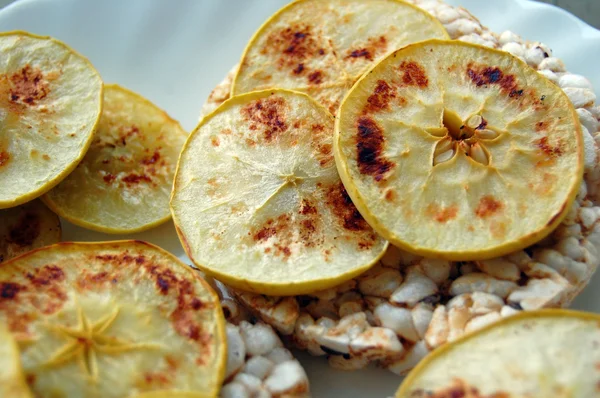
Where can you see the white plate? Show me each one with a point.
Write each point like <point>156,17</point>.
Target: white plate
<point>174,52</point>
